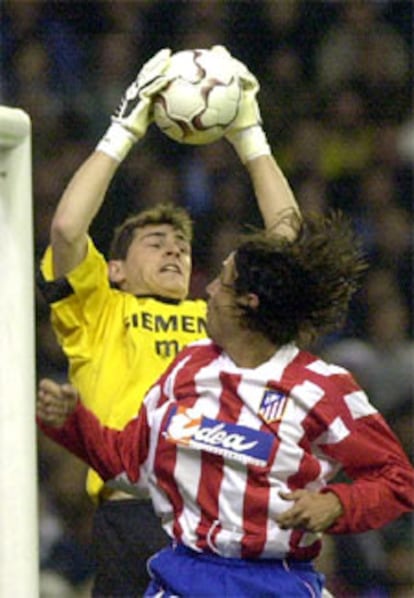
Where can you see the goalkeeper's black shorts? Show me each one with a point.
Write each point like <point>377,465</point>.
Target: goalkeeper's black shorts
<point>125,534</point>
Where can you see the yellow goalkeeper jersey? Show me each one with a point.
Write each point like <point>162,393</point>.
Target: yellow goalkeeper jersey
<point>117,344</point>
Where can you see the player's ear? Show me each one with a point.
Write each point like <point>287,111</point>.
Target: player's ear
<point>253,300</point>
<point>116,272</point>
<point>250,300</point>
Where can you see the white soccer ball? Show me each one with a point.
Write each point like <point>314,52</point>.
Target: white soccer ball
<point>202,99</point>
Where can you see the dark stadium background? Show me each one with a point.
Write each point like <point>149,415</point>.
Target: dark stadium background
<point>336,99</point>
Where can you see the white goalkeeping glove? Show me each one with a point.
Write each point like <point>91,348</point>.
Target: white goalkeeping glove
<point>246,133</point>
<point>134,114</point>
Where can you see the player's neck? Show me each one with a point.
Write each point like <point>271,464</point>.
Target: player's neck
<point>250,350</point>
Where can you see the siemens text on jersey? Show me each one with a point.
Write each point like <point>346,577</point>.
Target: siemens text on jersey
<point>160,323</point>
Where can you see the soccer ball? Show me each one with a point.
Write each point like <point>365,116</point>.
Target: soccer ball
<point>201,101</point>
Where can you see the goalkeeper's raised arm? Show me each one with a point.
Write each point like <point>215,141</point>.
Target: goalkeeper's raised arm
<point>274,195</point>
<point>86,190</point>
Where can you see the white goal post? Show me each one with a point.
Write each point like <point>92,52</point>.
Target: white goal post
<point>19,560</point>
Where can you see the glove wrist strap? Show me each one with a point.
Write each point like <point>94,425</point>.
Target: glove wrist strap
<point>116,142</point>
<point>250,143</point>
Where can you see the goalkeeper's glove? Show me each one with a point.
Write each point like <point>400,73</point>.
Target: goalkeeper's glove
<point>246,134</point>
<point>134,114</point>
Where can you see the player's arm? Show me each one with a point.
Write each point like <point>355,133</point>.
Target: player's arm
<point>77,207</point>
<point>382,486</point>
<point>275,197</point>
<point>86,191</point>
<point>381,490</point>
<point>63,418</point>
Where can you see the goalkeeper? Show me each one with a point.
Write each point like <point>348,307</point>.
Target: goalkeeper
<point>121,322</point>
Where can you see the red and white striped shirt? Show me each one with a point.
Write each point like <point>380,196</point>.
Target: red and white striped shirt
<point>216,443</point>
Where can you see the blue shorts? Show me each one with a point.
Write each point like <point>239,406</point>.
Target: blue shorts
<point>179,571</point>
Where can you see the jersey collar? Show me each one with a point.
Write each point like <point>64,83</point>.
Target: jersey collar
<point>160,298</point>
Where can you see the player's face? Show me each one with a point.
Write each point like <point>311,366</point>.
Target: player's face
<point>158,262</point>
<point>222,311</point>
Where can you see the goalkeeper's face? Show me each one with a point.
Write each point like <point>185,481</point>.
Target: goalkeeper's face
<point>158,262</point>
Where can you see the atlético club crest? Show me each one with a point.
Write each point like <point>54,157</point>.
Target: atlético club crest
<point>272,405</point>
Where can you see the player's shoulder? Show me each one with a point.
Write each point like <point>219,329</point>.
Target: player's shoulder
<point>312,378</point>
<point>91,258</point>
<point>191,359</point>
<point>324,367</point>
<point>202,345</point>
<point>322,371</point>
<point>202,350</point>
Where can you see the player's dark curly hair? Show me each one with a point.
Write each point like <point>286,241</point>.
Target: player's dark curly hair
<point>304,286</point>
<point>169,213</point>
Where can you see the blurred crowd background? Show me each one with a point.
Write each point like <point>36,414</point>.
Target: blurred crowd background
<point>336,100</point>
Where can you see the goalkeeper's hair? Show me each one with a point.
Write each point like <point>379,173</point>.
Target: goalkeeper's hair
<point>169,213</point>
<point>304,286</point>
